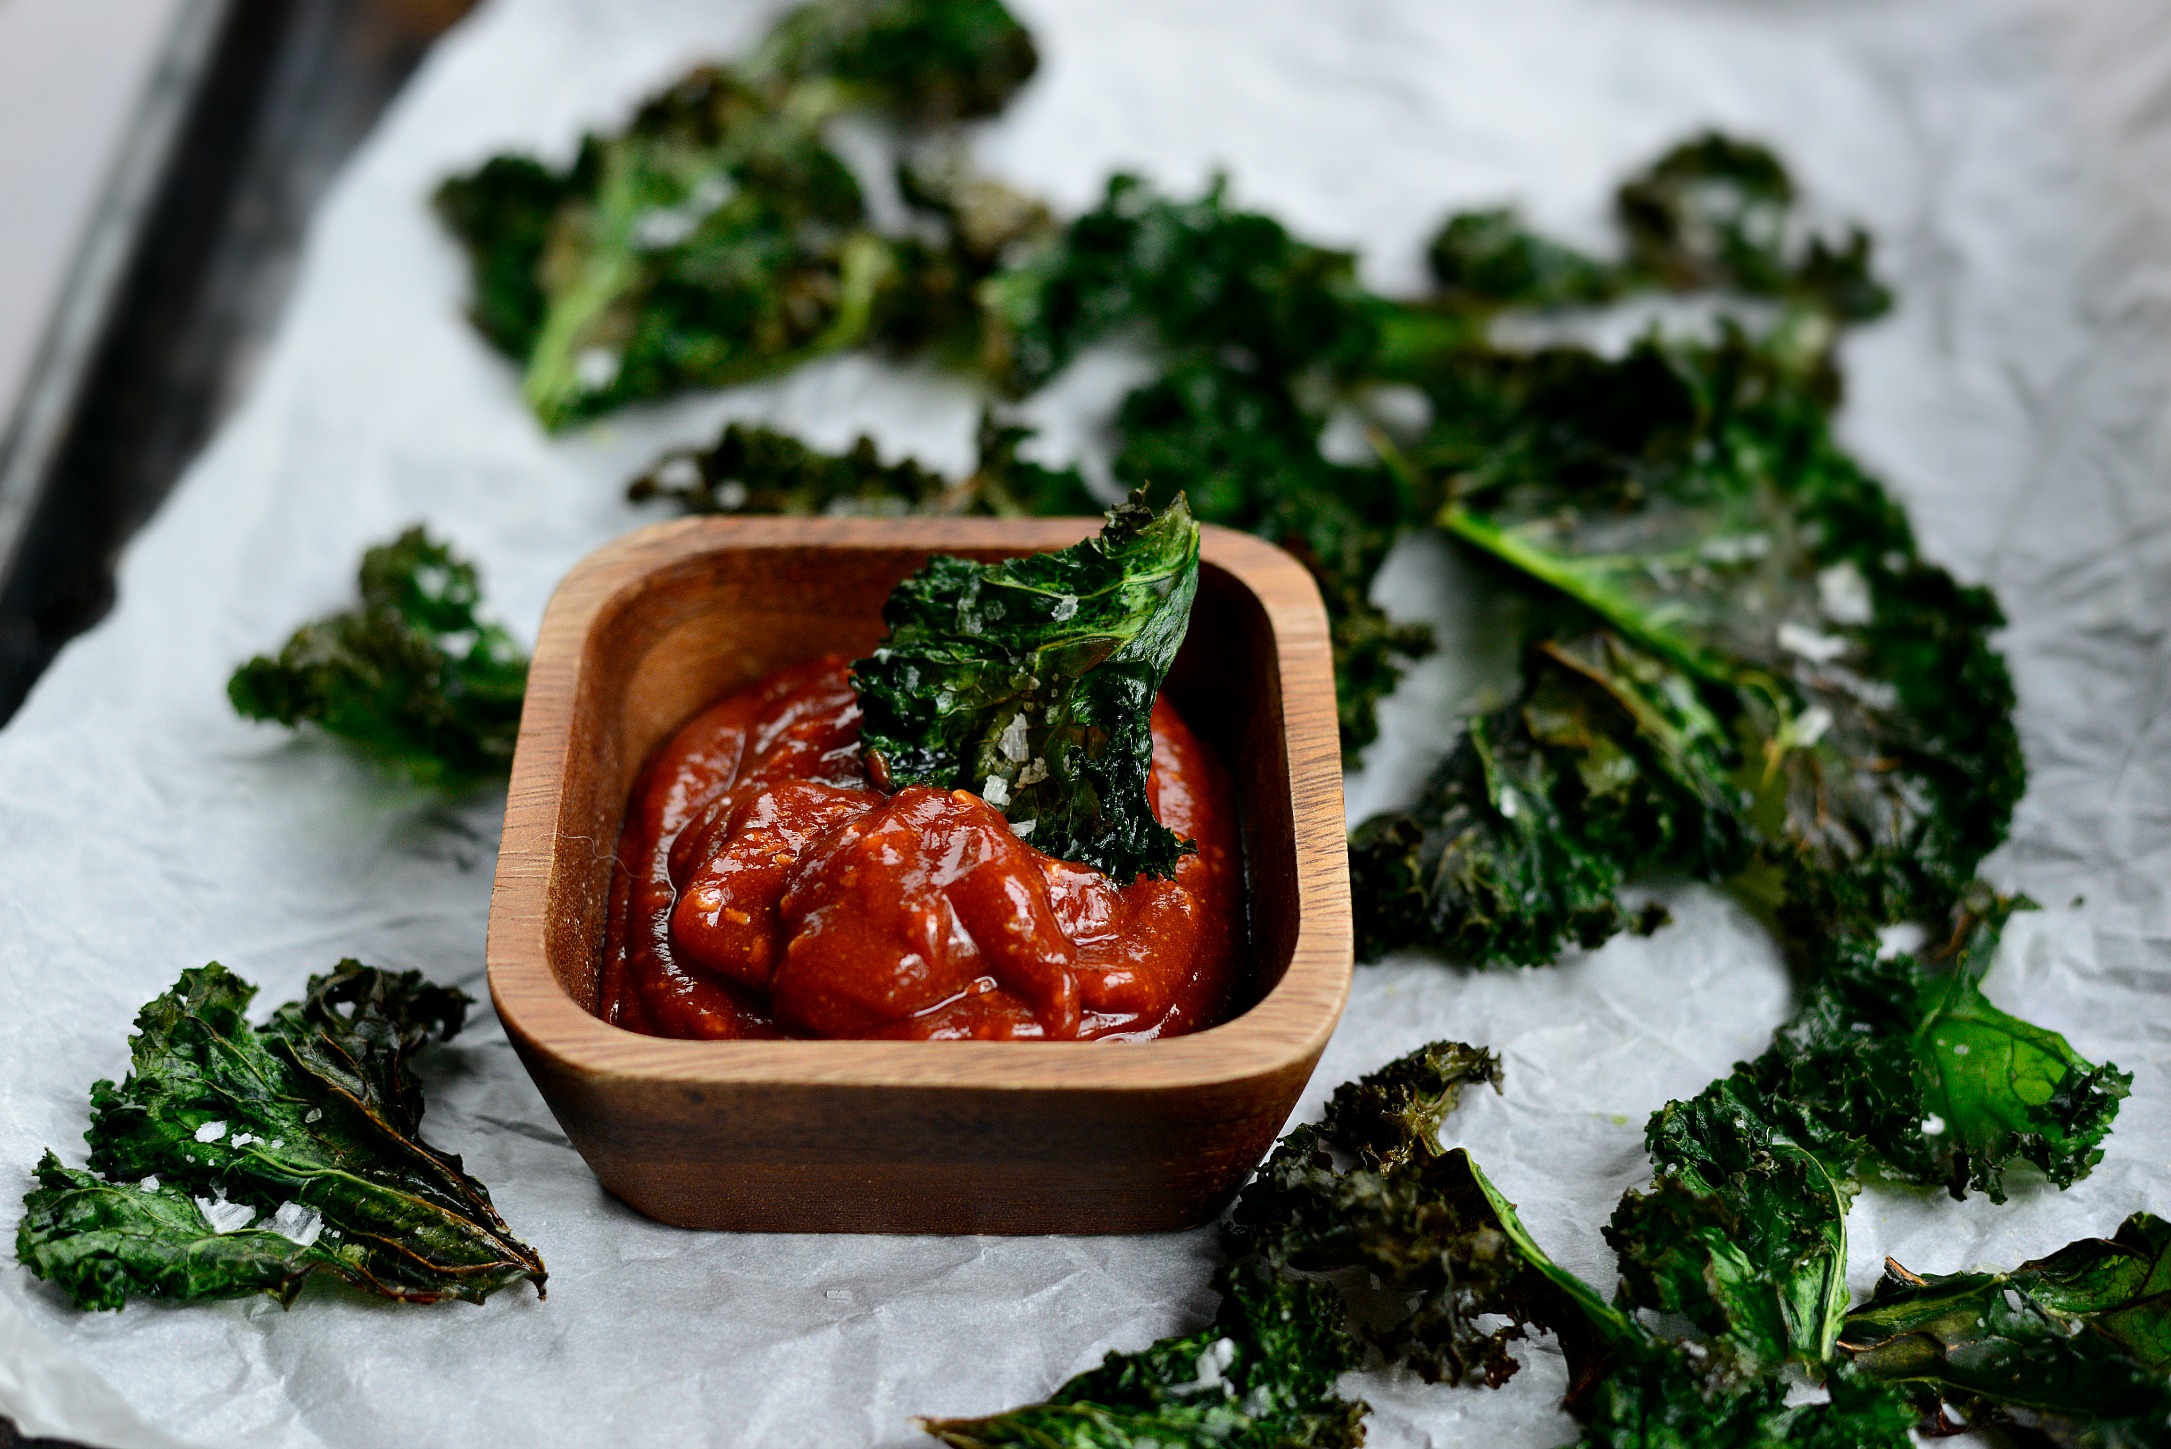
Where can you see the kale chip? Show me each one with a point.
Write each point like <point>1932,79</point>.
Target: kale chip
<point>757,470</point>
<point>1032,683</point>
<point>1261,1376</point>
<point>1717,212</point>
<point>235,1159</point>
<point>1741,664</point>
<point>415,679</point>
<point>1247,454</point>
<point>717,237</point>
<point>1901,1058</point>
<point>2074,1348</point>
<point>927,62</point>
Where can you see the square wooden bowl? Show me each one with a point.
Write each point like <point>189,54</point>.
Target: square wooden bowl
<point>905,1137</point>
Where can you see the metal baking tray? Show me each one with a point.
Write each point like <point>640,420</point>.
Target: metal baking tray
<point>177,284</point>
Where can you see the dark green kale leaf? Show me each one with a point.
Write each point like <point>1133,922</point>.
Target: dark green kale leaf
<point>2075,1347</point>
<point>717,237</point>
<point>1422,1223</point>
<point>1719,213</point>
<point>1371,1195</point>
<point>1032,682</point>
<point>305,1128</point>
<point>1490,259</point>
<point>1261,1376</point>
<point>1662,1395</point>
<point>757,470</point>
<point>1797,691</point>
<point>1257,331</point>
<point>1247,455</point>
<point>1715,213</point>
<point>927,62</point>
<point>1195,275</point>
<point>413,678</point>
<point>503,213</point>
<point>1524,836</point>
<point>1392,1117</point>
<point>101,1241</point>
<point>1743,1231</point>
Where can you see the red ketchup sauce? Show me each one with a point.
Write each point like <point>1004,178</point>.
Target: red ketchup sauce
<point>766,888</point>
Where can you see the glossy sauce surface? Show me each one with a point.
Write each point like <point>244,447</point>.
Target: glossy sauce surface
<point>765,888</point>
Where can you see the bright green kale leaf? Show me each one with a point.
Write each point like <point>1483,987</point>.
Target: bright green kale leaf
<point>756,470</point>
<point>1796,690</point>
<point>2075,1347</point>
<point>1868,1067</point>
<point>414,678</point>
<point>1032,682</point>
<point>1261,1376</point>
<point>304,1132</point>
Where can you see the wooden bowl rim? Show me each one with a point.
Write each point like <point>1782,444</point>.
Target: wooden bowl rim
<point>1289,1025</point>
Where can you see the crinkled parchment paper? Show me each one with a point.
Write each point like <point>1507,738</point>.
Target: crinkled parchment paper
<point>2011,159</point>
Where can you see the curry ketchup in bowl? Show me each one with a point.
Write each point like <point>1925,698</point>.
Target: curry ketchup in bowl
<point>765,887</point>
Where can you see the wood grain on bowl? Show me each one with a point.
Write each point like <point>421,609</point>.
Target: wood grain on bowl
<point>863,1136</point>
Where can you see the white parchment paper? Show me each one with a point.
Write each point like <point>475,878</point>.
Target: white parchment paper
<point>2013,160</point>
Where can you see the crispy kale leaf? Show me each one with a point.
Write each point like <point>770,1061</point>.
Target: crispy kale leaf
<point>1255,328</point>
<point>717,237</point>
<point>1198,274</point>
<point>714,239</point>
<point>1261,1376</point>
<point>1247,456</point>
<point>1370,1197</point>
<point>2075,1347</point>
<point>1429,1227</point>
<point>101,1241</point>
<point>414,677</point>
<point>923,61</point>
<point>756,470</point>
<point>238,1159</point>
<point>1032,682</point>
<point>1489,258</point>
<point>1743,1232</point>
<point>1715,213</point>
<point>1718,213</point>
<point>1869,1065</point>
<point>1742,663</point>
